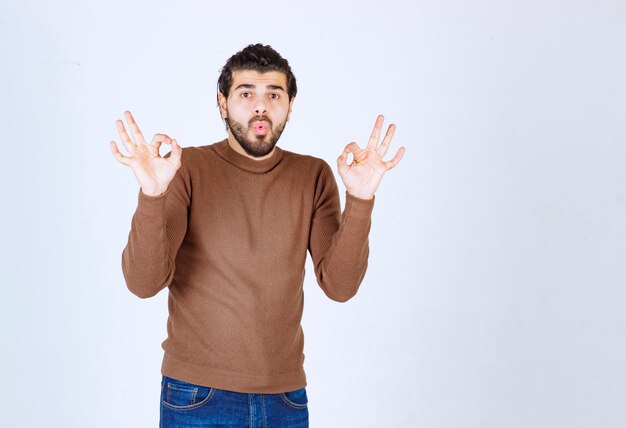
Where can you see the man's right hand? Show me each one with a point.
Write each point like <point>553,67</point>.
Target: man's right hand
<point>153,172</point>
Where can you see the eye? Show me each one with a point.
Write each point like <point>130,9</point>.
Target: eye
<point>245,94</point>
<point>274,96</point>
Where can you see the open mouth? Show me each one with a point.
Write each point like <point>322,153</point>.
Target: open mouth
<point>260,127</point>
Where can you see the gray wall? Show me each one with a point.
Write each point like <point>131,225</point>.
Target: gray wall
<point>495,291</point>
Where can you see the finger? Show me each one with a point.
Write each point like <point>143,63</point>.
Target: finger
<point>158,139</point>
<point>357,153</point>
<point>373,142</point>
<point>128,143</point>
<point>342,160</point>
<point>396,159</point>
<point>384,146</point>
<point>121,158</point>
<point>134,128</point>
<point>352,147</point>
<point>176,152</point>
<point>156,142</point>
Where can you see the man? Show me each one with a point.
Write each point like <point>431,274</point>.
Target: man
<point>226,227</point>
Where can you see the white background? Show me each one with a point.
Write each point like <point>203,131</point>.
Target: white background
<point>495,291</point>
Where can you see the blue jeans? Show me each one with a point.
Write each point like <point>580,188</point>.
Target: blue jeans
<point>187,405</point>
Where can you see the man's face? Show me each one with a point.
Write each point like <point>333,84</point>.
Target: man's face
<point>256,110</point>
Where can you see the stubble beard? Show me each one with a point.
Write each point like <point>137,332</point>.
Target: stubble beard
<point>259,146</point>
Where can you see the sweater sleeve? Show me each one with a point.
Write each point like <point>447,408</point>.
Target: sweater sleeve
<point>157,230</point>
<point>338,242</point>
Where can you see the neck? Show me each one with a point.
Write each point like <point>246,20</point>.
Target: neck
<point>246,163</point>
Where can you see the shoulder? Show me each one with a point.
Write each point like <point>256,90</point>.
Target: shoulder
<point>195,152</point>
<point>313,170</point>
<point>316,165</point>
<point>196,156</point>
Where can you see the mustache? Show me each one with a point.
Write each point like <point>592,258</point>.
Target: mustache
<point>260,118</point>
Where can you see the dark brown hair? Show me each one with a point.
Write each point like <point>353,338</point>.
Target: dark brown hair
<point>258,57</point>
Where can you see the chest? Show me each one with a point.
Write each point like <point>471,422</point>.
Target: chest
<point>267,216</point>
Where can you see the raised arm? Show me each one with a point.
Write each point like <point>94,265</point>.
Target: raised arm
<point>160,220</point>
<point>339,245</point>
<point>338,242</point>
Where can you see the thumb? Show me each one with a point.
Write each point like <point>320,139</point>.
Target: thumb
<point>342,164</point>
<point>177,152</point>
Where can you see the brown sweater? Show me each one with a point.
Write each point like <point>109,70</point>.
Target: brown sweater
<point>229,239</point>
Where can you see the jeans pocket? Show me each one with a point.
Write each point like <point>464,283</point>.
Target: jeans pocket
<point>296,399</point>
<point>179,395</point>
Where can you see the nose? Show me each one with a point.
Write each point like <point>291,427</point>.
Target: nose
<point>260,108</point>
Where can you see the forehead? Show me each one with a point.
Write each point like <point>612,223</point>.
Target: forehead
<point>253,77</point>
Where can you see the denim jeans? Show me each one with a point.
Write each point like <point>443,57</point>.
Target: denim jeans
<point>187,405</point>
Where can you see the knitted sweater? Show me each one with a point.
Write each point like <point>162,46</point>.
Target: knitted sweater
<point>229,239</point>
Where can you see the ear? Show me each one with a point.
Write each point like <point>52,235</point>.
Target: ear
<point>221,100</point>
<point>290,107</point>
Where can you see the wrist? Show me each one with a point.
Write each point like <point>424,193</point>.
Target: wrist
<point>153,193</point>
<point>365,196</point>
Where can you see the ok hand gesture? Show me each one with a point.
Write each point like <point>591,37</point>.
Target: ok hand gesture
<point>153,172</point>
<point>363,175</point>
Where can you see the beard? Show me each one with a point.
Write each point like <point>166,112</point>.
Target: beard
<point>259,145</point>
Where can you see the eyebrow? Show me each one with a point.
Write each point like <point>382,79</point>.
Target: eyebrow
<point>250,86</point>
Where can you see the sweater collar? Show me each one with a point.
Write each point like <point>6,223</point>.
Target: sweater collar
<point>244,162</point>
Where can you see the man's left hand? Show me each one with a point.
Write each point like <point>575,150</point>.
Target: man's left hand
<point>363,175</point>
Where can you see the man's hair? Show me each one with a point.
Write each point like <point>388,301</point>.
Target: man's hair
<point>258,57</point>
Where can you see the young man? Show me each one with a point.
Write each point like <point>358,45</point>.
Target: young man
<point>226,227</point>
